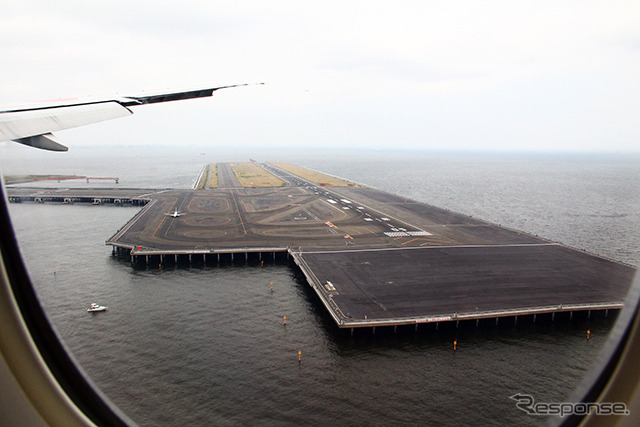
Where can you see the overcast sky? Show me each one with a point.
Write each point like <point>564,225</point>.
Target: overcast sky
<point>515,75</point>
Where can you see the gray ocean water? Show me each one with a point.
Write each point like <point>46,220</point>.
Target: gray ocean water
<point>207,346</point>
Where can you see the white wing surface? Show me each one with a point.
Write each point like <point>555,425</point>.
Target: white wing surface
<point>34,125</point>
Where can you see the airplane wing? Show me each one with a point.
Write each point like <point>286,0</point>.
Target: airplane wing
<point>34,125</point>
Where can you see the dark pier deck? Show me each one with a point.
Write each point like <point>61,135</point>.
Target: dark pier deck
<point>117,196</point>
<point>374,259</point>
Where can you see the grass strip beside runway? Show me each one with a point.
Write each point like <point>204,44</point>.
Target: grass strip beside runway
<point>252,175</point>
<point>313,176</point>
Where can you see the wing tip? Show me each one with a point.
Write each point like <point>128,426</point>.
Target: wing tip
<point>45,141</point>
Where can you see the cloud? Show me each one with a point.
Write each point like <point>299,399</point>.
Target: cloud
<point>548,74</point>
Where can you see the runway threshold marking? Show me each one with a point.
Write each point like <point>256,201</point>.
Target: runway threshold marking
<point>334,207</point>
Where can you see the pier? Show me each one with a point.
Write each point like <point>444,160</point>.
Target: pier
<point>374,259</point>
<point>124,196</point>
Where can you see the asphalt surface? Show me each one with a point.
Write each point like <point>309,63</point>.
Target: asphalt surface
<point>454,281</point>
<point>226,177</point>
<point>386,258</point>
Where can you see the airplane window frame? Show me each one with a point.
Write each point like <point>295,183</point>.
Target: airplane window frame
<point>609,379</point>
<point>66,371</point>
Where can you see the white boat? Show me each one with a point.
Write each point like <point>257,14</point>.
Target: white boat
<point>96,307</point>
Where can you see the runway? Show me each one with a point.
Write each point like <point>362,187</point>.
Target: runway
<point>374,258</point>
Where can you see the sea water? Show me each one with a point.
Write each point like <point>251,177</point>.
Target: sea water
<point>207,346</point>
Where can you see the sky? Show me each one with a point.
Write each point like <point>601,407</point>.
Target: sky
<point>429,75</point>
